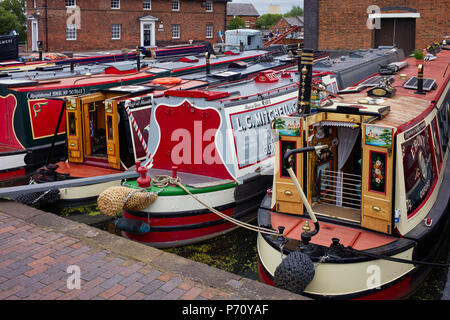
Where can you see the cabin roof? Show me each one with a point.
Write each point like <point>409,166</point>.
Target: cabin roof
<point>241,9</point>
<point>406,105</point>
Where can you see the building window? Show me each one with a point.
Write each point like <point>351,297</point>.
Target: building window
<point>175,31</point>
<point>147,4</point>
<point>116,31</point>
<point>69,3</point>
<point>115,4</point>
<point>175,5</point>
<point>71,32</point>
<point>209,6</point>
<point>209,31</point>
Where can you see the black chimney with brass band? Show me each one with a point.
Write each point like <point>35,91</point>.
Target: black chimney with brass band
<point>208,62</point>
<point>420,80</point>
<point>138,59</point>
<point>304,89</point>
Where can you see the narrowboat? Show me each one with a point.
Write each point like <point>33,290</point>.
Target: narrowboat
<point>31,112</point>
<point>359,204</point>
<point>226,173</point>
<point>107,130</point>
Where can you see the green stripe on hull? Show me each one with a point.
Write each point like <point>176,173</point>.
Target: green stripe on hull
<point>177,191</point>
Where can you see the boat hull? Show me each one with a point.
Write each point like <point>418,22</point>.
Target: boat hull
<point>351,279</point>
<point>181,220</point>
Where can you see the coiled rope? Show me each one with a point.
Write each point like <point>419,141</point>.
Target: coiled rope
<point>163,181</point>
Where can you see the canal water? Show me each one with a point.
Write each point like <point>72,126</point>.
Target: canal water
<point>236,252</point>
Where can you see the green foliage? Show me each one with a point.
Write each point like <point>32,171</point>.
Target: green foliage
<point>295,12</point>
<point>236,23</point>
<point>12,17</point>
<point>418,54</point>
<point>267,20</point>
<point>8,21</point>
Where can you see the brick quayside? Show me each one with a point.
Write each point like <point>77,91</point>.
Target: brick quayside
<point>33,265</point>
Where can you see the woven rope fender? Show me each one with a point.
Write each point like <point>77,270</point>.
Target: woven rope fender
<point>295,272</point>
<point>114,200</point>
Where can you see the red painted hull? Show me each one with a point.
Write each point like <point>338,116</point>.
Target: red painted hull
<point>396,291</point>
<point>184,230</point>
<point>12,174</point>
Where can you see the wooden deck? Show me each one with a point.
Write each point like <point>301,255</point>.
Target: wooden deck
<point>357,238</point>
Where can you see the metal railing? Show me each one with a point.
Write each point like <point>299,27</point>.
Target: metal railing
<point>339,188</point>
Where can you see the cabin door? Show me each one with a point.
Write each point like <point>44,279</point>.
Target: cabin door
<point>94,128</point>
<point>74,130</point>
<point>398,32</point>
<point>112,134</point>
<point>291,137</point>
<point>377,181</point>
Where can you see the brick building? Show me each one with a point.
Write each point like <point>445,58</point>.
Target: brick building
<point>350,25</point>
<point>76,25</point>
<point>245,11</point>
<point>286,23</point>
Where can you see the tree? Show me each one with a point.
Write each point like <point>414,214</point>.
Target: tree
<point>267,20</point>
<point>295,12</point>
<point>8,21</point>
<point>236,23</point>
<point>17,9</point>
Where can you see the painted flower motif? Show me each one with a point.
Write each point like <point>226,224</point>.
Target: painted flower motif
<point>377,172</point>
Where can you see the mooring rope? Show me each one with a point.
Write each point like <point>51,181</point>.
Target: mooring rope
<point>163,181</point>
<point>399,260</point>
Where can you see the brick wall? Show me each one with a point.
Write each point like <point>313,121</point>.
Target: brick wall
<point>342,23</point>
<point>249,20</point>
<point>97,18</point>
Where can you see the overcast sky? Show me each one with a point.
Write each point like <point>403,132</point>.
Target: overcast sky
<point>262,5</point>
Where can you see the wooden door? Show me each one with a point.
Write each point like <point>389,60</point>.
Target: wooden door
<point>86,103</point>
<point>112,134</point>
<point>377,179</point>
<point>399,32</point>
<point>287,198</point>
<point>74,125</point>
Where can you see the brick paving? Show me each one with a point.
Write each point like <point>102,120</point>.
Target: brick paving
<point>34,262</point>
<point>110,278</point>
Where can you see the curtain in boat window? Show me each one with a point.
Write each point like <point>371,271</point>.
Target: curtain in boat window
<point>347,139</point>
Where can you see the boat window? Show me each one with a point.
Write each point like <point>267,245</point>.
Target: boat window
<point>72,124</point>
<point>285,147</point>
<point>110,127</point>
<point>444,127</point>
<point>418,167</point>
<point>436,143</point>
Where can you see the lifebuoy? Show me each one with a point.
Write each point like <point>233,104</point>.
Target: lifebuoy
<point>168,80</point>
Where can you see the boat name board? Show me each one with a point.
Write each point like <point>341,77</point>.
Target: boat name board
<point>260,117</point>
<point>252,130</point>
<point>55,93</point>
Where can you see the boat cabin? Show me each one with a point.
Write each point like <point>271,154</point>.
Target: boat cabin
<point>384,158</point>
<point>106,129</point>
